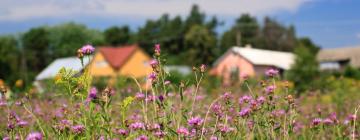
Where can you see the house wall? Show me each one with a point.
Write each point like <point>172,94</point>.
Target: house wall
<point>137,66</point>
<point>231,61</point>
<point>100,67</point>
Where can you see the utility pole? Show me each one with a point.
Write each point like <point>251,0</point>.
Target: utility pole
<point>238,36</point>
<point>23,59</point>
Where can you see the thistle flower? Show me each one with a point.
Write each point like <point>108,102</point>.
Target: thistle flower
<point>213,138</point>
<point>225,129</point>
<point>261,99</point>
<point>244,76</point>
<point>183,131</point>
<point>140,96</point>
<point>123,132</point>
<point>227,96</point>
<point>278,113</point>
<point>271,72</point>
<point>245,98</point>
<point>92,93</point>
<point>161,98</point>
<point>159,134</point>
<point>22,123</point>
<point>316,121</point>
<point>154,63</point>
<point>152,76</point>
<point>202,68</point>
<point>87,49</point>
<point>167,82</point>
<point>250,124</point>
<point>157,49</point>
<point>195,121</point>
<point>78,129</point>
<point>34,136</point>
<point>137,125</point>
<point>270,89</point>
<point>244,112</point>
<point>328,121</point>
<point>142,137</point>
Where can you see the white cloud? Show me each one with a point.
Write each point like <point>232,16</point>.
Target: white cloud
<point>28,9</point>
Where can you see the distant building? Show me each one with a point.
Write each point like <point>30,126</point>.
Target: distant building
<point>120,61</point>
<point>51,70</point>
<point>239,61</point>
<point>339,58</point>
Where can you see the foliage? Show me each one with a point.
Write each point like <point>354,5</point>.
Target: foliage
<point>305,68</point>
<point>116,36</point>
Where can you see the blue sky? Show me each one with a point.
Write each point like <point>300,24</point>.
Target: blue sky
<point>329,23</point>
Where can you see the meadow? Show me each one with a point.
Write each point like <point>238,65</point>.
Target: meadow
<point>264,108</point>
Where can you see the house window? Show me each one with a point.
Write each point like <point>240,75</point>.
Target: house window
<point>101,64</point>
<point>145,63</point>
<point>329,65</point>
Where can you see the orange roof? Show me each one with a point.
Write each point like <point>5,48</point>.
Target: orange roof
<point>117,56</point>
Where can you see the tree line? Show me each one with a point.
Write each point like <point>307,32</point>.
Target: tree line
<point>193,39</point>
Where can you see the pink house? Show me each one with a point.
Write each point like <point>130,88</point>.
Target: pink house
<point>249,61</point>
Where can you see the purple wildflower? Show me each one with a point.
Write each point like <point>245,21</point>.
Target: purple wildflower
<point>261,99</point>
<point>270,89</point>
<point>278,113</point>
<point>213,138</point>
<point>159,134</point>
<point>34,136</point>
<point>227,96</point>
<point>183,131</point>
<point>137,125</point>
<point>152,76</point>
<point>142,137</point>
<point>202,68</point>
<point>161,98</point>
<point>78,129</point>
<point>244,112</point>
<point>245,98</point>
<point>316,121</point>
<point>250,124</point>
<point>195,121</point>
<point>157,49</point>
<point>154,63</point>
<point>140,96</point>
<point>328,121</point>
<point>92,93</point>
<point>123,132</point>
<point>167,82</point>
<point>22,123</point>
<point>87,49</point>
<point>271,72</point>
<point>225,129</point>
<point>217,109</point>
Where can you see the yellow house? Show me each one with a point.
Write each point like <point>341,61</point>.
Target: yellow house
<point>128,60</point>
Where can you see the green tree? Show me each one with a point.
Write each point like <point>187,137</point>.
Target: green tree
<point>275,36</point>
<point>244,31</point>
<point>305,69</point>
<point>200,43</point>
<point>66,38</point>
<point>36,45</point>
<point>117,35</point>
<point>10,59</point>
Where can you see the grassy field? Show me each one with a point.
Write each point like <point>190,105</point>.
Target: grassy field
<point>255,109</point>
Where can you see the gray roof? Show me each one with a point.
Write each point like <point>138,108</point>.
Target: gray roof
<point>51,70</point>
<point>340,54</point>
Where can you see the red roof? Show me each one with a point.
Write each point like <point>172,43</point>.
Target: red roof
<point>117,56</point>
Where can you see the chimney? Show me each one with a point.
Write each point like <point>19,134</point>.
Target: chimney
<point>248,46</point>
